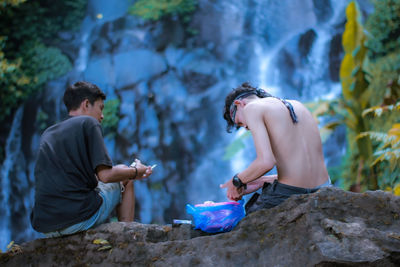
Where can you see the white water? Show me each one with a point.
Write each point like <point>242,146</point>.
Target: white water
<point>315,74</point>
<point>12,149</point>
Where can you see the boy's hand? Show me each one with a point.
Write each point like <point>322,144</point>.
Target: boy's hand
<point>143,171</point>
<point>232,193</point>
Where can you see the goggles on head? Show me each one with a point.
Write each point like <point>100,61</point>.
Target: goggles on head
<point>233,107</point>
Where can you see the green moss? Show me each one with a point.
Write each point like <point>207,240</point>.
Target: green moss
<point>111,117</point>
<point>156,186</point>
<point>42,120</point>
<point>383,27</point>
<point>157,9</point>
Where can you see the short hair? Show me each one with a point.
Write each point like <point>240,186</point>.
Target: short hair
<point>79,91</point>
<point>230,98</point>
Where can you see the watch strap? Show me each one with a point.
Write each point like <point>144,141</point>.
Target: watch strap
<point>241,184</point>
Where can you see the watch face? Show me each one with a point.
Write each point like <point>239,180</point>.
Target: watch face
<point>236,181</point>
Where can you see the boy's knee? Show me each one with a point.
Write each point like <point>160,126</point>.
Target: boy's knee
<point>128,183</point>
<point>128,186</point>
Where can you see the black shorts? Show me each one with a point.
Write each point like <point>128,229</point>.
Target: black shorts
<point>274,194</point>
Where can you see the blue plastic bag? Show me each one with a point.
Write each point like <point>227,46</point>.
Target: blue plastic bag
<point>217,217</point>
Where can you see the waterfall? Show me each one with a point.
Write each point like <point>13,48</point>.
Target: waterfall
<point>268,78</point>
<point>12,150</point>
<point>319,53</point>
<point>172,87</point>
<point>84,44</point>
<point>314,73</point>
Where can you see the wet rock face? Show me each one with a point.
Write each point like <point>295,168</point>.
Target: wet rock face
<point>329,228</point>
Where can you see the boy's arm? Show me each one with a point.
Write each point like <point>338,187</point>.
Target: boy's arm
<point>265,159</point>
<point>258,183</point>
<point>122,172</point>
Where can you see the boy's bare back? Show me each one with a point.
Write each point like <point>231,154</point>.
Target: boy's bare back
<point>296,147</point>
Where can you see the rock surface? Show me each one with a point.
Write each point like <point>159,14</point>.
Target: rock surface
<point>329,228</point>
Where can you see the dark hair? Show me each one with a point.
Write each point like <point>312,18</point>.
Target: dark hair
<point>242,89</point>
<point>79,91</point>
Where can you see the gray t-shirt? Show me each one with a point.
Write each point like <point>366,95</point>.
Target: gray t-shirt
<point>65,178</point>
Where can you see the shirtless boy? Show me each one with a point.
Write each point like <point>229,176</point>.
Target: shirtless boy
<point>285,135</point>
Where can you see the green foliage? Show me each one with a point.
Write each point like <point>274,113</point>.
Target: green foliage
<point>236,146</point>
<point>387,151</point>
<point>21,79</point>
<point>27,28</point>
<point>156,9</point>
<point>384,79</point>
<point>336,172</point>
<point>44,63</point>
<point>13,83</point>
<point>111,117</point>
<point>40,20</point>
<point>42,120</point>
<point>384,86</point>
<point>326,109</point>
<point>157,186</point>
<point>383,27</point>
<point>379,110</point>
<point>370,86</point>
<point>4,3</point>
<point>370,76</point>
<point>356,98</point>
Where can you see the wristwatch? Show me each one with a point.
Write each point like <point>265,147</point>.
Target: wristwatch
<point>237,182</point>
<point>133,165</point>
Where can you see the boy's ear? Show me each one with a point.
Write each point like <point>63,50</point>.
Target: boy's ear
<point>85,104</point>
<point>239,102</point>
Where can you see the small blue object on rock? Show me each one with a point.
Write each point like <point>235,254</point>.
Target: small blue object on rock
<point>216,217</point>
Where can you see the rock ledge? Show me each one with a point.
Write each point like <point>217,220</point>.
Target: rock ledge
<point>331,227</point>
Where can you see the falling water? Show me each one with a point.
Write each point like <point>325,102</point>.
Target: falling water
<point>268,72</point>
<point>317,76</point>
<point>316,80</point>
<point>202,182</point>
<point>84,44</point>
<point>12,149</point>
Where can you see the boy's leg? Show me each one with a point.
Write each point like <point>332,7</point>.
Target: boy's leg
<point>126,209</point>
<point>111,194</point>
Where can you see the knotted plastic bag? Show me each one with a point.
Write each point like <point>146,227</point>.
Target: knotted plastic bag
<point>215,217</point>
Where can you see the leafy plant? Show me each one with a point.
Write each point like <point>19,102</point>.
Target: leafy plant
<point>387,151</point>
<point>4,3</point>
<point>111,117</point>
<point>13,82</point>
<point>370,85</point>
<point>156,9</point>
<point>236,146</point>
<point>42,120</point>
<point>383,28</point>
<point>368,79</point>
<point>44,63</point>
<point>384,79</point>
<point>23,78</point>
<point>40,20</point>
<point>389,148</point>
<point>356,98</point>
<point>27,28</point>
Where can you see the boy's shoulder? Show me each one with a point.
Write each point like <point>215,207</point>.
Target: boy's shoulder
<point>82,119</point>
